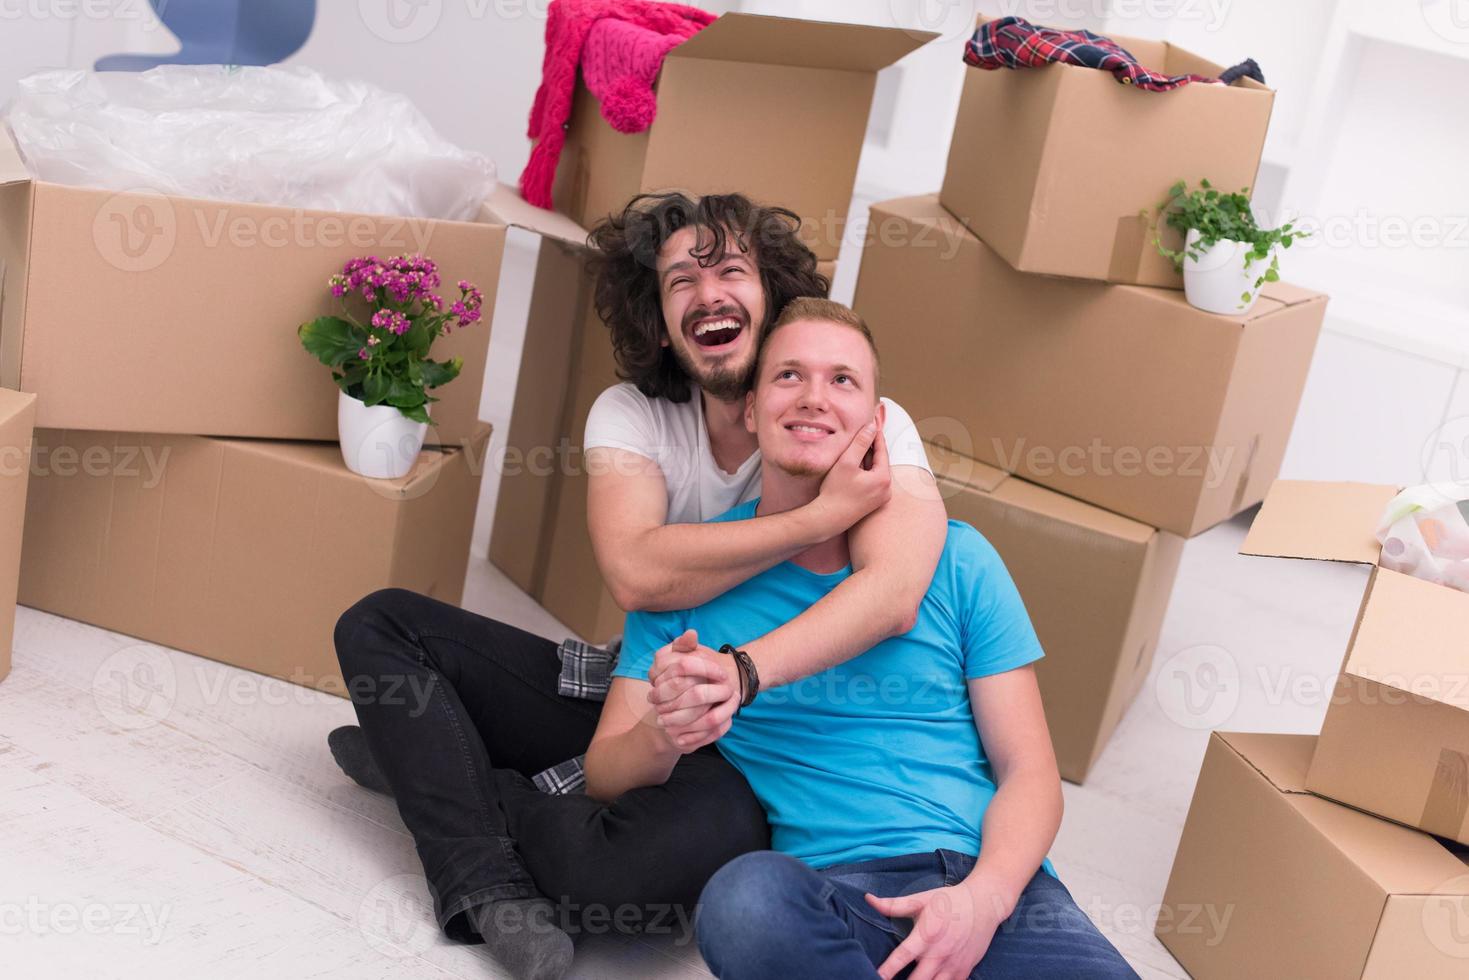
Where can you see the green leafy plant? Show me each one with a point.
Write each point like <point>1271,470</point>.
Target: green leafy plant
<point>385,360</point>
<point>1217,217</point>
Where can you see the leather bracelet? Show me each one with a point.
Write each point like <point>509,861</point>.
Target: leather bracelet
<point>749,676</point>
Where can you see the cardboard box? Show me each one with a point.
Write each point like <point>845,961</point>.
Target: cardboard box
<point>243,551</point>
<point>1123,396</point>
<point>1270,881</point>
<point>1096,586</point>
<point>772,107</point>
<point>147,313</point>
<point>1395,741</point>
<point>17,413</point>
<point>1054,166</point>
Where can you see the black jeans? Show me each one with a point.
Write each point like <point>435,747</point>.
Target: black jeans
<point>459,710</point>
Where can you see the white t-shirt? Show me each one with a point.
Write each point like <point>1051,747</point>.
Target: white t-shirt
<point>674,436</point>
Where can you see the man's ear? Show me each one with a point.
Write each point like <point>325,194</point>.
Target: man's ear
<point>750,412</point>
<point>881,414</point>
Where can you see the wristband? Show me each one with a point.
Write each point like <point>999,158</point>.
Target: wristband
<point>749,676</point>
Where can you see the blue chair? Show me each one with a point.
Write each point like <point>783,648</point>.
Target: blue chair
<point>225,32</point>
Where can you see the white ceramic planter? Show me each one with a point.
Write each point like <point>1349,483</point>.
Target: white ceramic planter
<point>1218,279</point>
<point>377,440</point>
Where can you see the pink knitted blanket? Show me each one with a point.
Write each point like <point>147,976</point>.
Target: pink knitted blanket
<point>619,46</point>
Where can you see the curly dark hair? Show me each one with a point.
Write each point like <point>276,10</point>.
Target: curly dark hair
<point>627,293</point>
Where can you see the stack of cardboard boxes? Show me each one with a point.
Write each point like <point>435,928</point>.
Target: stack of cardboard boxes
<point>185,485</point>
<point>771,107</point>
<point>1031,328</point>
<point>1343,854</point>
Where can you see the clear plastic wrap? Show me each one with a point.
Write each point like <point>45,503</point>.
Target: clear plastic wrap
<point>1425,533</point>
<point>285,136</point>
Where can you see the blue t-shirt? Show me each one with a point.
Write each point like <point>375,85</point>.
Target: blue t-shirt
<point>877,757</point>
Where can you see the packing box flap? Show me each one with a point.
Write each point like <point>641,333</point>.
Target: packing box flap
<point>1281,759</point>
<point>12,167</point>
<point>1412,632</point>
<point>923,209</point>
<point>12,404</point>
<point>1400,860</point>
<point>952,467</point>
<point>958,468</point>
<point>1322,520</point>
<point>507,207</point>
<point>801,43</point>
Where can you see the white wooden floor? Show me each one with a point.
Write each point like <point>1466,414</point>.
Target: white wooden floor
<point>163,815</point>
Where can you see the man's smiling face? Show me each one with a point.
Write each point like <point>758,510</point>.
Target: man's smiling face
<point>816,389</point>
<point>713,313</point>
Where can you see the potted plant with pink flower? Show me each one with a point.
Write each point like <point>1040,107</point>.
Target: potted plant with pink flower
<point>381,363</point>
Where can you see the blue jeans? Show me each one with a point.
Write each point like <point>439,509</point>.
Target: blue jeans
<point>766,915</point>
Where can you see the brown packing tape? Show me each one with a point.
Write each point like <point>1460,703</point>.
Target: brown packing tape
<point>1448,795</point>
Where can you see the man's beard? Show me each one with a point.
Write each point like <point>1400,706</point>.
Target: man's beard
<point>723,383</point>
<point>801,471</point>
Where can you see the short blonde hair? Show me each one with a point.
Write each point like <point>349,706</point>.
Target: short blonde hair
<point>817,308</point>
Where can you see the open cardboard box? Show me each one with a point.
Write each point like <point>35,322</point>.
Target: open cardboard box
<point>142,312</point>
<point>17,413</point>
<point>1395,741</point>
<point>1054,166</point>
<point>244,551</point>
<point>539,538</point>
<point>772,107</point>
<point>1096,586</point>
<point>1271,881</point>
<point>1123,396</point>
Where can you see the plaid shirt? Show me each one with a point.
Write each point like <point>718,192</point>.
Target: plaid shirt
<point>586,673</point>
<point>1011,42</point>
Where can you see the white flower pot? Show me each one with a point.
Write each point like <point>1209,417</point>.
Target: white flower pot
<point>377,440</point>
<point>1218,279</point>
